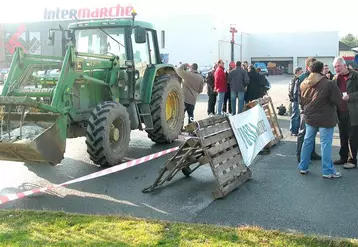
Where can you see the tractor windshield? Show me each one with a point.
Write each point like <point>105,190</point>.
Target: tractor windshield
<point>102,41</point>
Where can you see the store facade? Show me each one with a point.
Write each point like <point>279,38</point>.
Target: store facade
<point>184,38</point>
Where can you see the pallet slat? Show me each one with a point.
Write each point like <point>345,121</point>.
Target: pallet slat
<point>216,138</point>
<point>213,130</point>
<point>222,147</point>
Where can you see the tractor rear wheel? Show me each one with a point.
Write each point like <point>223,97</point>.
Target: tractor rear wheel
<point>108,134</point>
<point>167,109</point>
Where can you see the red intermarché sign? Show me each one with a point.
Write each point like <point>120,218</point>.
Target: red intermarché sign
<point>87,13</point>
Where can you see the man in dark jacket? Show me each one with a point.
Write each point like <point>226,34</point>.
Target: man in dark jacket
<point>227,102</point>
<point>327,72</point>
<point>302,130</point>
<point>238,80</point>
<point>347,81</point>
<point>210,81</point>
<point>319,98</point>
<point>293,96</point>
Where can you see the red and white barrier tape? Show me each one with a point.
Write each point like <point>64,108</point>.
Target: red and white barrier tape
<point>123,166</point>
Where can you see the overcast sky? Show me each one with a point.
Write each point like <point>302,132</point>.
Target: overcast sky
<point>249,16</point>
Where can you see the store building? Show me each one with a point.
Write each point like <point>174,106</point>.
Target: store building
<point>185,38</point>
<point>291,49</point>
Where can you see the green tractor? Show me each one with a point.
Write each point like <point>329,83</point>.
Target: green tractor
<point>110,80</point>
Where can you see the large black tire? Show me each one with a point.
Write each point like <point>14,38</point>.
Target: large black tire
<point>105,145</point>
<point>166,131</point>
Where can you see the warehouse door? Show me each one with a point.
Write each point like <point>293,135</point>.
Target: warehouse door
<point>324,60</point>
<point>285,63</point>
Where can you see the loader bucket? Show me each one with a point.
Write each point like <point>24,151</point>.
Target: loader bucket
<point>41,138</point>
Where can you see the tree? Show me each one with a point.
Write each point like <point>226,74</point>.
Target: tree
<point>350,40</point>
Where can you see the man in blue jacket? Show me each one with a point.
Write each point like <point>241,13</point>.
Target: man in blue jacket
<point>302,130</point>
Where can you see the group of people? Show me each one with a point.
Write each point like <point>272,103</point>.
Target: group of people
<point>242,83</point>
<point>319,101</point>
<point>229,90</point>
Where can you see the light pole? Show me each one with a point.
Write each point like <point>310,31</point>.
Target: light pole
<point>227,42</point>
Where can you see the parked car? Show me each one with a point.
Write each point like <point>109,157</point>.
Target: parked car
<point>204,70</point>
<point>3,74</point>
<point>263,67</point>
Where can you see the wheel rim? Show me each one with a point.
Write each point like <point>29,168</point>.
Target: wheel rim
<point>115,134</point>
<point>172,109</point>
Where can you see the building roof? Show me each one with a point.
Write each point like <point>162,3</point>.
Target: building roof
<point>109,23</point>
<point>344,47</point>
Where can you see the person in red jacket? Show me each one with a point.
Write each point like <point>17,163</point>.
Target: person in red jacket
<point>220,85</point>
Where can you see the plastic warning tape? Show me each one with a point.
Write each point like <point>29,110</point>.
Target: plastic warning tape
<point>120,167</point>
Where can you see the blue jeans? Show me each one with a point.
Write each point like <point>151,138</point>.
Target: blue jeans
<point>326,135</point>
<point>220,104</point>
<point>295,118</point>
<point>240,96</point>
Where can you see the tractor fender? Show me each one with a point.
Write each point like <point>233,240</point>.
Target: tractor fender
<point>149,77</point>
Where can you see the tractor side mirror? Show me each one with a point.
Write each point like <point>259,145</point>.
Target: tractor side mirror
<point>129,64</point>
<point>51,37</point>
<point>140,35</point>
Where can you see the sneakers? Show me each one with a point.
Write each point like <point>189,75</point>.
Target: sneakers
<point>349,166</point>
<point>303,171</point>
<point>334,175</point>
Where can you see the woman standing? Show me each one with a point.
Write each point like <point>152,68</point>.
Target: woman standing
<point>253,89</point>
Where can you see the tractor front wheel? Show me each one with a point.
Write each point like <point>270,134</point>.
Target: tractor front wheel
<point>167,109</point>
<point>108,134</point>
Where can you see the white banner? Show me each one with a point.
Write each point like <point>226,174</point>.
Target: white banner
<point>252,131</point>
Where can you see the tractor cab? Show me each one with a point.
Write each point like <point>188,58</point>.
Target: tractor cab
<point>109,80</point>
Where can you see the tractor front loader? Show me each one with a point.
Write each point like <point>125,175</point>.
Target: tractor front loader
<point>109,81</point>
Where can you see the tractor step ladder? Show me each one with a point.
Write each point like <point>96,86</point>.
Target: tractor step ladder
<point>215,144</point>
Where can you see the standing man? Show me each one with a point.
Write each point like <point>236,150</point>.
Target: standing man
<point>227,101</point>
<point>238,80</point>
<point>245,66</point>
<point>193,85</point>
<point>293,96</point>
<point>210,81</point>
<point>327,72</point>
<point>347,81</point>
<point>220,85</point>
<point>319,98</point>
<point>302,130</point>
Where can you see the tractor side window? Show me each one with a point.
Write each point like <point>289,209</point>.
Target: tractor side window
<point>152,47</point>
<point>140,56</point>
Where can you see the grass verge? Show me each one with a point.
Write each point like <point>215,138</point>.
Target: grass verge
<point>41,228</point>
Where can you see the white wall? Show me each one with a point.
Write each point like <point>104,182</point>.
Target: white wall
<point>318,44</point>
<point>188,39</point>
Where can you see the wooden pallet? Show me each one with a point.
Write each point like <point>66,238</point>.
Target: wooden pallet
<point>223,154</point>
<point>269,109</point>
<point>189,153</point>
<point>215,145</point>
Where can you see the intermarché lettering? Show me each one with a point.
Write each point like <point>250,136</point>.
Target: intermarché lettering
<point>86,13</point>
<point>249,132</point>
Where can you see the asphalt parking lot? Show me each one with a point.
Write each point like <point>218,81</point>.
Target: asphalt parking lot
<point>276,197</point>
